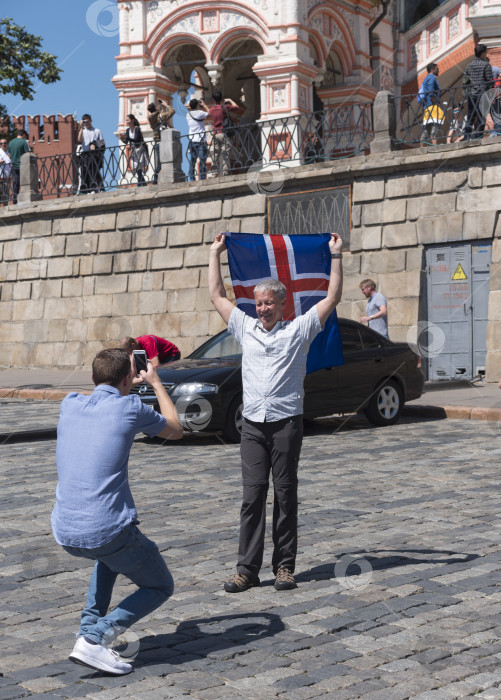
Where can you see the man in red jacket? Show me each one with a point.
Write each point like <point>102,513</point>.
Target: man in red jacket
<point>158,350</point>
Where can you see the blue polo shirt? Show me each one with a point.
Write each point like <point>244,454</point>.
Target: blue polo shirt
<point>94,436</point>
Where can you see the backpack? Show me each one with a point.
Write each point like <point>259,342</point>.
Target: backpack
<point>421,96</point>
<point>228,123</point>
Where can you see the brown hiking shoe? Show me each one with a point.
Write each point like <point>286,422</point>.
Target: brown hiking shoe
<point>284,580</point>
<point>240,582</point>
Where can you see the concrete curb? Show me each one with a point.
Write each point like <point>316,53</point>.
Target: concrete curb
<point>419,411</point>
<point>458,412</point>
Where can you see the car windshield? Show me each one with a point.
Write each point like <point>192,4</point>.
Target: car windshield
<point>223,346</point>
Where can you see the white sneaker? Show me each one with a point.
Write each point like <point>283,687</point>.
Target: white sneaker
<point>100,657</point>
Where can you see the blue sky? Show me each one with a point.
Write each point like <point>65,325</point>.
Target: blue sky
<point>83,34</point>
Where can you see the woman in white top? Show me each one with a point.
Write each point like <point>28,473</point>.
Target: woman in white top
<point>197,149</point>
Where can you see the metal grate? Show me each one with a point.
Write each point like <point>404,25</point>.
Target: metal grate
<point>314,211</point>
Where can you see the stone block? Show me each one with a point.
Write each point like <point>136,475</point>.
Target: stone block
<point>11,333</point>
<point>212,228</point>
<point>168,325</point>
<point>110,284</point>
<point>399,235</point>
<point>31,269</point>
<point>371,238</point>
<point>152,281</point>
<point>216,323</point>
<point>167,258</point>
<point>130,262</point>
<point>6,310</point>
<point>189,234</point>
<point>394,210</point>
<point>250,205</point>
<point>368,190</point>
<point>154,237</point>
<point>88,286</point>
<point>438,204</point>
<point>254,224</point>
<point>67,224</point>
<point>372,213</point>
<point>133,218</point>
<point>90,351</point>
<point>201,211</point>
<point>496,250</point>
<point>414,259</point>
<point>7,290</point>
<point>69,307</point>
<point>180,279</point>
<point>28,309</point>
<point>35,331</point>
<point>409,185</point>
<point>44,289</point>
<point>196,256</point>
<point>86,265</point>
<point>17,250</point>
<point>351,287</point>
<point>402,312</point>
<point>100,222</point>
<point>493,367</point>
<point>203,302</point>
<point>400,284</point>
<point>383,261</point>
<point>352,263</point>
<point>413,208</point>
<point>479,224</point>
<point>356,215</point>
<point>447,180</point>
<point>59,267</point>
<point>115,242</point>
<point>180,300</point>
<point>440,229</point>
<point>194,323</point>
<point>475,176</point>
<point>73,287</point>
<point>152,302</point>
<point>355,240</point>
<point>56,330</point>
<point>97,305</point>
<point>22,290</point>
<point>76,328</point>
<point>478,200</point>
<point>68,354</point>
<point>101,264</point>
<point>174,214</point>
<point>84,244</point>
<point>34,228</point>
<point>492,175</point>
<point>9,232</point>
<point>124,304</point>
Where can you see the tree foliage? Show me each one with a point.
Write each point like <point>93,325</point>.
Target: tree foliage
<point>23,64</point>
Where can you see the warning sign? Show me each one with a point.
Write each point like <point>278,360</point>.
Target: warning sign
<point>459,274</point>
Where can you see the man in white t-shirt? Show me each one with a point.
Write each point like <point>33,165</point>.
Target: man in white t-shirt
<point>198,112</point>
<point>92,155</point>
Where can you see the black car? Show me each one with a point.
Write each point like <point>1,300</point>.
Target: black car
<point>378,377</point>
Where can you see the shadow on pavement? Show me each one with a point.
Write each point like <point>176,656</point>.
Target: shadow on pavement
<point>388,561</point>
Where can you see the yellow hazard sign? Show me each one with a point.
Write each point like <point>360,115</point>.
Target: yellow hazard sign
<point>459,274</point>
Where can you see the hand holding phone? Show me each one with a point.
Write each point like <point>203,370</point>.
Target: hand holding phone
<point>140,361</point>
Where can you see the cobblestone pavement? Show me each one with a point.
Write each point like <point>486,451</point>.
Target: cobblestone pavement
<point>398,572</point>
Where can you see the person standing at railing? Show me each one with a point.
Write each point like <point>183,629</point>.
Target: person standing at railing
<point>17,148</point>
<point>429,99</point>
<point>219,114</point>
<point>477,79</point>
<point>5,171</point>
<point>133,137</point>
<point>158,120</point>
<point>198,112</point>
<point>92,155</point>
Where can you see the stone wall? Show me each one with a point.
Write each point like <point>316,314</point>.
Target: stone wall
<point>82,272</point>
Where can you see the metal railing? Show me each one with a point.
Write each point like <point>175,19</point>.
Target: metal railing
<point>296,140</point>
<point>448,116</point>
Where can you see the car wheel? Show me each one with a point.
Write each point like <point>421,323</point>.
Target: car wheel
<point>385,405</point>
<point>233,426</point>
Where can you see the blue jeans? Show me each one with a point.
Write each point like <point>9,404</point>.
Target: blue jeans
<point>136,557</point>
<point>197,149</point>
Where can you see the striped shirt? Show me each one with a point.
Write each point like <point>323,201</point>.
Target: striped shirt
<point>273,364</point>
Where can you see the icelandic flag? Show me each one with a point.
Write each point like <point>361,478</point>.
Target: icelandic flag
<point>302,263</point>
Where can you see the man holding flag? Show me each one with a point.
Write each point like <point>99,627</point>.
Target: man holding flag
<point>273,369</point>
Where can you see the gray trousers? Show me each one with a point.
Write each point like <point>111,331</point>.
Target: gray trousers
<point>269,447</point>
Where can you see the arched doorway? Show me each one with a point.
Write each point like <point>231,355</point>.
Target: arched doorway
<point>238,79</point>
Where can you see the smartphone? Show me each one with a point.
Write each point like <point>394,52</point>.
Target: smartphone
<point>140,360</point>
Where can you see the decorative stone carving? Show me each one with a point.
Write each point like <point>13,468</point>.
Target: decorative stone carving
<point>435,39</point>
<point>454,25</point>
<point>279,96</point>
<point>137,108</point>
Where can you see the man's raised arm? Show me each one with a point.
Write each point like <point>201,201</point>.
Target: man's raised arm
<point>327,305</point>
<point>217,292</point>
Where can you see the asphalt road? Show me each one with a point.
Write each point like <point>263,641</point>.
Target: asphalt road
<point>399,571</point>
